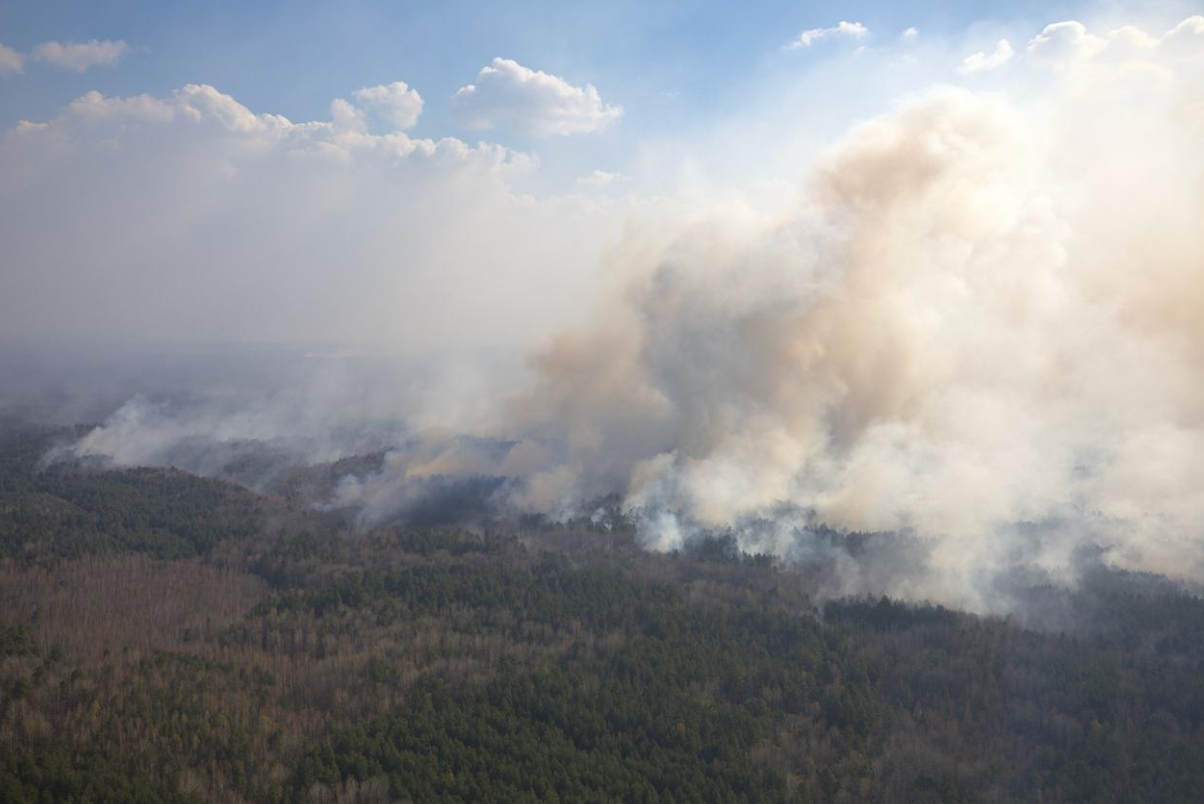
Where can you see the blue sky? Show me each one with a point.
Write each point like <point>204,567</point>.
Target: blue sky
<point>679,70</point>
<point>293,58</point>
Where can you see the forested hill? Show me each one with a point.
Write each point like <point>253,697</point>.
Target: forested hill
<point>169,638</point>
<point>67,511</point>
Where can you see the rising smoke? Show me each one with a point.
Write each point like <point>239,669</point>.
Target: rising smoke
<point>982,327</point>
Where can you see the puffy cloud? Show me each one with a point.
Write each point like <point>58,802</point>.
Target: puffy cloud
<point>79,56</point>
<point>910,34</point>
<point>95,107</point>
<point>853,30</point>
<point>346,116</point>
<point>397,103</point>
<point>984,62</point>
<point>11,62</point>
<point>1187,37</point>
<point>1066,41</point>
<point>1064,44</point>
<point>508,94</point>
<point>193,103</point>
<point>600,180</point>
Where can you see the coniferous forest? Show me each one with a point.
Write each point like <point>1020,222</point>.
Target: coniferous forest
<point>165,637</point>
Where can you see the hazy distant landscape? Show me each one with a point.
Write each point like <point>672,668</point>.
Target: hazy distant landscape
<point>642,403</point>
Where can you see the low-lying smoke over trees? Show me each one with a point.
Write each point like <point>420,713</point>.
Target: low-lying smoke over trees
<point>304,658</point>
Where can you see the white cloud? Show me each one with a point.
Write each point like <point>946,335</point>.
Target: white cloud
<point>346,116</point>
<point>601,181</point>
<point>853,30</point>
<point>1187,36</point>
<point>79,56</point>
<point>508,94</point>
<point>397,103</point>
<point>1063,42</point>
<point>192,103</point>
<point>983,62</point>
<point>910,34</point>
<point>95,107</point>
<point>11,62</point>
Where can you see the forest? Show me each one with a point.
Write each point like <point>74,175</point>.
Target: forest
<point>165,637</point>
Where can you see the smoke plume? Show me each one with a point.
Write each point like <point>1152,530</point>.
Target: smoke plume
<point>981,328</point>
<point>989,311</point>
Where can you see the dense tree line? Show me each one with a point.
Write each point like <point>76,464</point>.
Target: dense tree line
<point>167,638</point>
<point>66,510</point>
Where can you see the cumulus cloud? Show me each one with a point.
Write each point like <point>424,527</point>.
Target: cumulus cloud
<point>983,62</point>
<point>79,56</point>
<point>601,180</point>
<point>910,34</point>
<point>346,116</point>
<point>95,107</point>
<point>507,94</point>
<point>396,103</point>
<point>1064,41</point>
<point>1186,37</point>
<point>852,30</point>
<point>1065,44</point>
<point>11,62</point>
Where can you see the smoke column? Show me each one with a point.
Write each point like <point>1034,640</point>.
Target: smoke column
<point>988,311</point>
